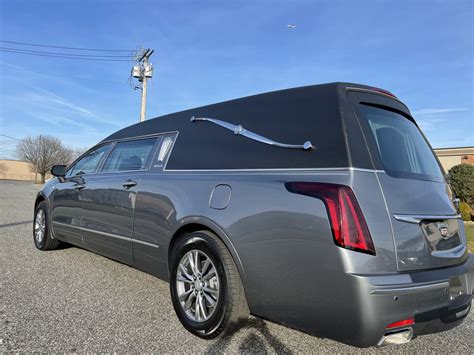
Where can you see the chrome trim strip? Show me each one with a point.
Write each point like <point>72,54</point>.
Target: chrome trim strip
<point>65,224</point>
<point>239,130</point>
<point>93,231</point>
<point>276,169</point>
<point>410,289</point>
<point>145,243</point>
<point>105,233</point>
<point>418,218</point>
<point>143,136</point>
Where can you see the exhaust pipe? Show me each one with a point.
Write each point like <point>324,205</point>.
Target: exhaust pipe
<point>402,336</point>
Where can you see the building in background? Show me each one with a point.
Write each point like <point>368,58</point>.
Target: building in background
<point>18,170</point>
<point>450,157</point>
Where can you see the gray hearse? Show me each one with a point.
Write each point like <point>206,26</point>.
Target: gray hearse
<point>322,208</point>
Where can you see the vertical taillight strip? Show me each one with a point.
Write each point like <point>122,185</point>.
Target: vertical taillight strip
<point>347,222</point>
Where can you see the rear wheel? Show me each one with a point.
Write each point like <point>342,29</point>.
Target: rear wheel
<point>206,290</point>
<point>41,229</point>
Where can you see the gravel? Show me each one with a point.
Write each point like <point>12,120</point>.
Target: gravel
<point>71,300</point>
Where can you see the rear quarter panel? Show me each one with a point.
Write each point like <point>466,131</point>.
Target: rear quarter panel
<point>292,271</point>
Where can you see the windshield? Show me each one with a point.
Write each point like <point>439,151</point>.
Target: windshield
<point>402,149</point>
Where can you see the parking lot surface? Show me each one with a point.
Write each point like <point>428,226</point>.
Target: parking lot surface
<point>71,300</point>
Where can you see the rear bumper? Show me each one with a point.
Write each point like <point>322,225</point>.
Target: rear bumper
<point>437,299</point>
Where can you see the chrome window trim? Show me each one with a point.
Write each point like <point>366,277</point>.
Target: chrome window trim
<point>239,130</point>
<point>274,170</point>
<point>144,136</point>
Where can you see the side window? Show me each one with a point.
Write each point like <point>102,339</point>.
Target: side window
<point>132,155</point>
<point>89,162</point>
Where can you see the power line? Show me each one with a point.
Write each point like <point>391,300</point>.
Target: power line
<point>72,48</point>
<point>4,135</point>
<point>68,54</point>
<point>63,56</point>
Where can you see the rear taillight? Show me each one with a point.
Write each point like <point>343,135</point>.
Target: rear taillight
<point>347,222</point>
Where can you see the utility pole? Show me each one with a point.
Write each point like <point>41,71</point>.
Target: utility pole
<point>142,71</point>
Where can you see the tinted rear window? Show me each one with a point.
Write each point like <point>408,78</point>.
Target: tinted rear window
<point>402,149</point>
<point>127,156</point>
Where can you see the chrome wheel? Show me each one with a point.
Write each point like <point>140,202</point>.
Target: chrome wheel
<point>197,285</point>
<point>40,226</point>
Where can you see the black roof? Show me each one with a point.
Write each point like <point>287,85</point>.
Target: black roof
<point>293,116</point>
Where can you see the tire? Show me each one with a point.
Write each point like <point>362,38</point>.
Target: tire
<point>41,223</point>
<point>230,310</point>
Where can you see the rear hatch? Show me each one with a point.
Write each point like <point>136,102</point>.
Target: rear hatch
<point>427,230</point>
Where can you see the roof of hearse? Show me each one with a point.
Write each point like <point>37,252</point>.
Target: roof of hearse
<point>290,116</point>
<point>156,125</point>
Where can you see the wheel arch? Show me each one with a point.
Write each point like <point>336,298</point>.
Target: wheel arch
<point>39,198</point>
<point>193,224</point>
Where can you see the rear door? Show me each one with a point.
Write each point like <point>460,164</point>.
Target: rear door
<point>109,199</point>
<point>426,229</point>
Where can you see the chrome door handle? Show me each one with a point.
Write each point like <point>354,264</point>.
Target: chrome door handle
<point>129,183</point>
<point>79,186</point>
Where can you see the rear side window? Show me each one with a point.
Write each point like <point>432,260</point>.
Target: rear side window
<point>132,155</point>
<point>402,149</point>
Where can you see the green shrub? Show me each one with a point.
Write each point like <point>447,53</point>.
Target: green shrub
<point>466,211</point>
<point>461,179</point>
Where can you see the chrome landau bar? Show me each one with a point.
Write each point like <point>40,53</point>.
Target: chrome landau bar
<point>239,130</point>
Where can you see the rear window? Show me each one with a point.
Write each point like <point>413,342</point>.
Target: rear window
<point>402,149</point>
<point>127,156</point>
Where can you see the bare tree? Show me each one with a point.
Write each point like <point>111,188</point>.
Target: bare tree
<point>43,152</point>
<point>76,153</point>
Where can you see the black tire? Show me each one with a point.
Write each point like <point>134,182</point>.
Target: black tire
<point>232,310</point>
<point>47,242</point>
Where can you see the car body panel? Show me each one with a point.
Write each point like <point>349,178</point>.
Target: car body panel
<point>66,210</point>
<point>107,219</point>
<point>282,244</point>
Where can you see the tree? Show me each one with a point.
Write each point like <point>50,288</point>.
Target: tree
<point>461,179</point>
<point>43,152</point>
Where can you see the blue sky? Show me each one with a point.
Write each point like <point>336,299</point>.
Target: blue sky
<point>210,51</point>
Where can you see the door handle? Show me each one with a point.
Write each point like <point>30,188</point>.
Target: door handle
<point>79,186</point>
<point>129,183</point>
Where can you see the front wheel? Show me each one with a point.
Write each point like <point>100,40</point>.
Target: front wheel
<point>206,290</point>
<point>41,229</point>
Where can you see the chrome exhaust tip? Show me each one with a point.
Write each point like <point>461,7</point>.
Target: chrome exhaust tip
<point>402,336</point>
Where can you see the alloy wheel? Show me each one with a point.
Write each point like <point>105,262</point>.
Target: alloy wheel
<point>197,285</point>
<point>40,226</point>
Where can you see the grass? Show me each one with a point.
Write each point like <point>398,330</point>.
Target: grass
<point>470,236</point>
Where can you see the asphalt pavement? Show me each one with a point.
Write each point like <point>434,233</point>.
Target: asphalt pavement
<point>71,300</point>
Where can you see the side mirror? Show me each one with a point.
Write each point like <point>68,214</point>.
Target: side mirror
<point>58,171</point>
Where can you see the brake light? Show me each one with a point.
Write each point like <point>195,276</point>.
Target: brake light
<point>348,225</point>
<point>386,92</point>
<point>401,323</point>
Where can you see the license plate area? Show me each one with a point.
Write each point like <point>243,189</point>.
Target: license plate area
<point>441,235</point>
